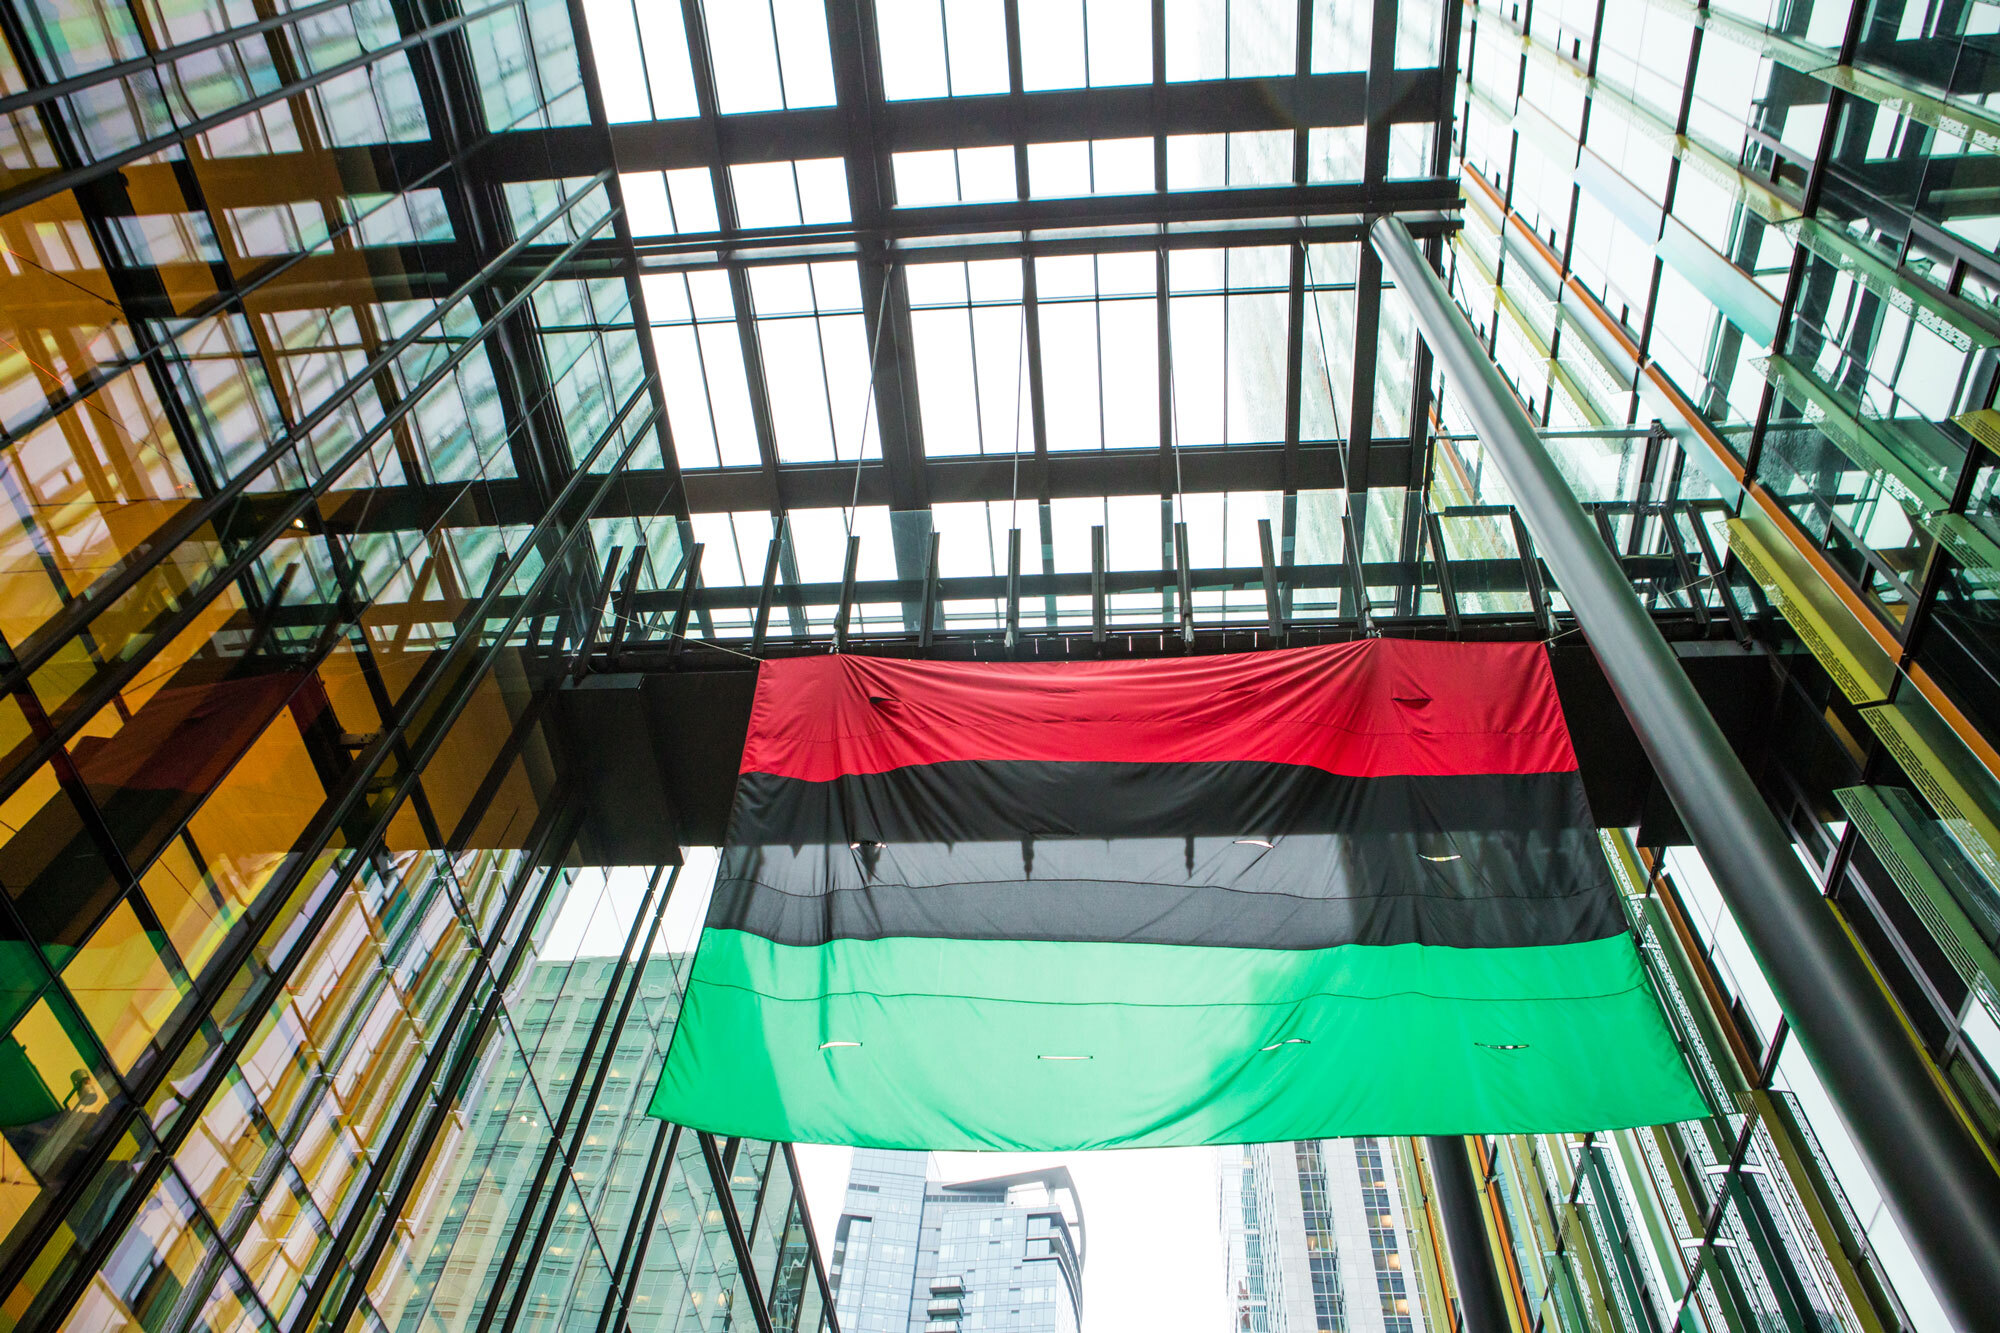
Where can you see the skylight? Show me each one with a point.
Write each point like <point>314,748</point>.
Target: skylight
<point>942,48</point>
<point>1085,43</point>
<point>963,277</point>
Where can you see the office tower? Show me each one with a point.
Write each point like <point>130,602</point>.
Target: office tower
<point>1325,1236</point>
<point>412,412</point>
<point>918,1254</point>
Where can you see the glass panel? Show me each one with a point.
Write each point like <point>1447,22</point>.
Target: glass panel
<point>1085,43</point>
<point>814,341</point>
<point>1090,166</point>
<point>971,357</point>
<point>942,48</point>
<point>127,982</point>
<point>1231,39</point>
<point>1229,334</point>
<point>1340,35</point>
<point>56,1086</point>
<point>953,176</point>
<point>1100,364</point>
<point>769,54</point>
<point>642,65</point>
<point>60,884</point>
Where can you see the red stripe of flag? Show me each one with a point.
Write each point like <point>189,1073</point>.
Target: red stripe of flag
<point>1371,708</point>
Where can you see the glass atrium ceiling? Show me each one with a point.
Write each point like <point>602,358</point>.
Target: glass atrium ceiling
<point>968,266</point>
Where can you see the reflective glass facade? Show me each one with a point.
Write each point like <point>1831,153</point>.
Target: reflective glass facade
<point>1755,225</point>
<point>293,1035</point>
<point>377,373</point>
<point>915,1254</point>
<point>1330,1236</point>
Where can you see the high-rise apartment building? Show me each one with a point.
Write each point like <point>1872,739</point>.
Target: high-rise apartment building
<point>1326,1236</point>
<point>914,1254</point>
<point>414,413</point>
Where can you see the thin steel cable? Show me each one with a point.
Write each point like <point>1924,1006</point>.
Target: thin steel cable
<point>1020,379</point>
<point>868,407</point>
<point>1325,365</point>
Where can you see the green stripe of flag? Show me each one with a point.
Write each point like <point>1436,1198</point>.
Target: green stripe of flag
<point>976,1044</point>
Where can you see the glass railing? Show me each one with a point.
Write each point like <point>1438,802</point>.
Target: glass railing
<point>1313,564</point>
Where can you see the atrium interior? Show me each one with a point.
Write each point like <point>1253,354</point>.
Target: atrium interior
<point>421,417</point>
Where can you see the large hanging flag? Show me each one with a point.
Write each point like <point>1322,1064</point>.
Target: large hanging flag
<point>1342,890</point>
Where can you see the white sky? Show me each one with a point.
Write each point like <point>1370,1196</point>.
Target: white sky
<point>1153,1255</point>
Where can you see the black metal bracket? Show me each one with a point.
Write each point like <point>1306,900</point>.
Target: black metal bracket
<point>846,609</point>
<point>1098,614</point>
<point>1274,606</point>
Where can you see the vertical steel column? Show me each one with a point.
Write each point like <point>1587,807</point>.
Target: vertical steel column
<point>1938,1181</point>
<point>1474,1268</point>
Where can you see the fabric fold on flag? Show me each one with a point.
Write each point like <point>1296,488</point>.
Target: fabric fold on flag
<point>1321,892</point>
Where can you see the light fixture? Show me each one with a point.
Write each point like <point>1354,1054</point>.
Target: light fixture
<point>1065,1057</point>
<point>1428,857</point>
<point>1253,842</point>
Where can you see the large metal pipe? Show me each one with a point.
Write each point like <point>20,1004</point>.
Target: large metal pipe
<point>1938,1183</point>
<point>1475,1272</point>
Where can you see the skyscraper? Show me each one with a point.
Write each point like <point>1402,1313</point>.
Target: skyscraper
<point>914,1254</point>
<point>1325,1236</point>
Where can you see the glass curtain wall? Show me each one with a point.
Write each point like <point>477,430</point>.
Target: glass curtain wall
<point>308,427</point>
<point>1745,236</point>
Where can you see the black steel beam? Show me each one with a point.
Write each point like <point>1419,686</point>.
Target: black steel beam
<point>1360,454</point>
<point>1273,604</point>
<point>1208,106</point>
<point>1433,532</point>
<point>885,305</point>
<point>1183,583</point>
<point>688,579</point>
<point>710,120</point>
<point>845,608</point>
<point>761,625</point>
<point>1097,604</point>
<point>739,1240</point>
<point>928,616</point>
<point>1295,351</point>
<point>1531,573</point>
<point>1357,572</point>
<point>645,492</point>
<point>1475,1275</point>
<point>1085,225</point>
<point>1013,634</point>
<point>1935,1175</point>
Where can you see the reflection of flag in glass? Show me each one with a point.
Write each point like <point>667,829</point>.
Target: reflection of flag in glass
<point>1283,895</point>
